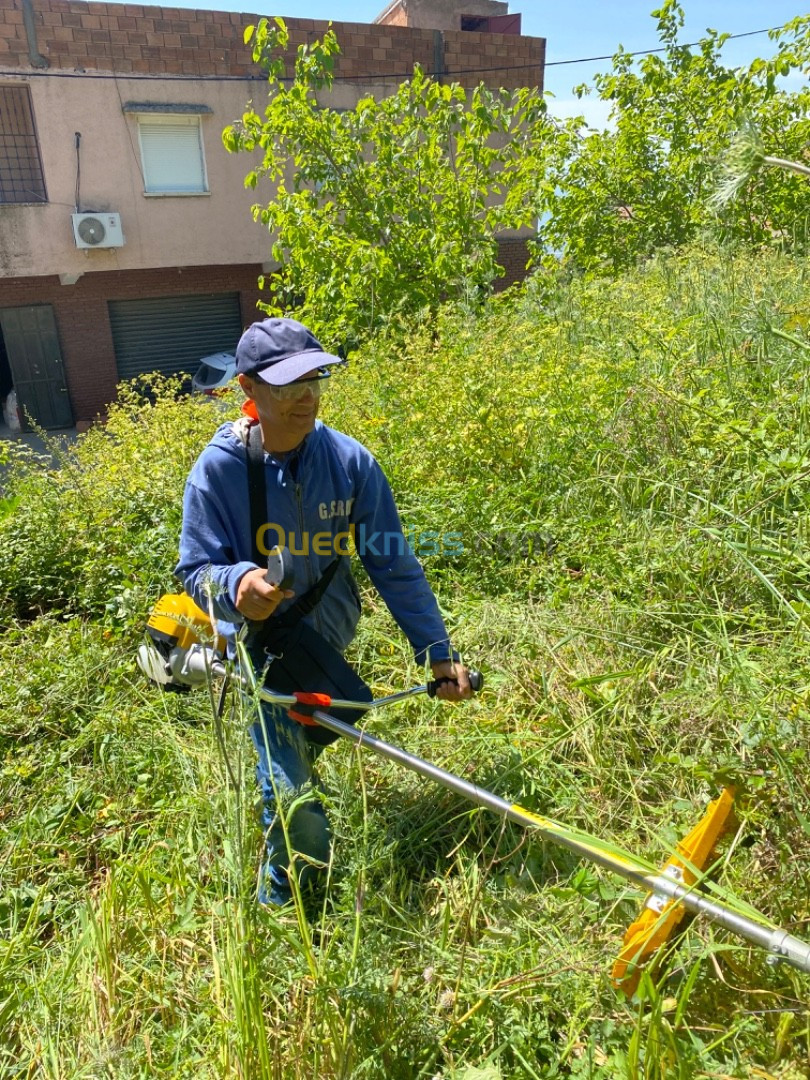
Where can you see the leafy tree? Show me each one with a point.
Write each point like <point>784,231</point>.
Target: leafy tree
<point>393,206</point>
<point>612,196</point>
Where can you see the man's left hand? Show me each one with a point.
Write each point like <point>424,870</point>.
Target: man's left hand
<point>459,688</point>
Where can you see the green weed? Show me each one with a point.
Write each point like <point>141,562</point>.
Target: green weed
<point>626,465</point>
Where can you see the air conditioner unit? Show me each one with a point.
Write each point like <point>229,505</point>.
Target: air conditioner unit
<point>97,230</point>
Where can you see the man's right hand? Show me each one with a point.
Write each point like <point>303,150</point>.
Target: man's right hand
<point>256,599</point>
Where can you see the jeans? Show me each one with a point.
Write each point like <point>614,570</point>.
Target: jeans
<point>286,760</point>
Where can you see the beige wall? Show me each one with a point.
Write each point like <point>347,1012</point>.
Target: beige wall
<point>159,230</point>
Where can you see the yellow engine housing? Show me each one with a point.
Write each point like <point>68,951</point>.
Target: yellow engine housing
<point>177,622</point>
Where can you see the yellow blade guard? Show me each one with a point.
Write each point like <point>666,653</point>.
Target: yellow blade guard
<point>660,917</point>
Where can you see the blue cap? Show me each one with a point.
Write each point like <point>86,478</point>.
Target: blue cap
<point>279,351</point>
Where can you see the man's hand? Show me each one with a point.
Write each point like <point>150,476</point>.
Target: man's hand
<point>256,599</point>
<point>459,688</point>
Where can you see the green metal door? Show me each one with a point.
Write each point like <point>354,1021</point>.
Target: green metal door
<point>35,359</point>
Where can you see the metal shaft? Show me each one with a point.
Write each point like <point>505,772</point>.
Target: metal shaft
<point>777,942</point>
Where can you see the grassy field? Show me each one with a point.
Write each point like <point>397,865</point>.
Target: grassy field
<point>625,465</point>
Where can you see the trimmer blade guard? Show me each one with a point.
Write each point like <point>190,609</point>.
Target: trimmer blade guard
<point>660,916</point>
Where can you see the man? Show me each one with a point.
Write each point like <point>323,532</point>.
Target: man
<point>321,486</point>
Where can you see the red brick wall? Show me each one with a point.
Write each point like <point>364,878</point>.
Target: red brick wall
<point>500,59</point>
<point>397,17</point>
<point>134,38</point>
<point>513,254</point>
<point>83,323</point>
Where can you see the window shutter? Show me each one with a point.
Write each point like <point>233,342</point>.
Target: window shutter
<point>172,156</point>
<point>171,334</point>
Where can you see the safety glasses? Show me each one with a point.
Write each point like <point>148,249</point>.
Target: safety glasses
<point>294,390</point>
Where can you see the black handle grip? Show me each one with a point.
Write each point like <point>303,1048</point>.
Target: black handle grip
<point>476,682</point>
<point>279,568</point>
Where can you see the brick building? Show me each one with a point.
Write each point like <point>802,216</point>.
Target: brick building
<point>126,238</point>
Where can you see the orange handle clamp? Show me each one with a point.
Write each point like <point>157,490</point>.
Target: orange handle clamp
<point>311,702</point>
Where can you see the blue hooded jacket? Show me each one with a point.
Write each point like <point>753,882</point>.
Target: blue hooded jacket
<point>329,485</point>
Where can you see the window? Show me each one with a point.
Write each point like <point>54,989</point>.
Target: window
<point>21,179</point>
<point>172,154</point>
<point>475,22</point>
<point>491,24</point>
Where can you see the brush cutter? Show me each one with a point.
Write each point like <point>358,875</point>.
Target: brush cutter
<point>176,659</point>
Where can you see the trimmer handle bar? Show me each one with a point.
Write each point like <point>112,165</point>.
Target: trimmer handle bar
<point>476,682</point>
<point>200,662</point>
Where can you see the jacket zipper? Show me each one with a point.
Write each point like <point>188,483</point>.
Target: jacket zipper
<point>310,576</point>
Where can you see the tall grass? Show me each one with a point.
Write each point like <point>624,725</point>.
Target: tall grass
<point>626,464</point>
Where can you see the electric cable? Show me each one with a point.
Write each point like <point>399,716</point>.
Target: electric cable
<point>77,135</point>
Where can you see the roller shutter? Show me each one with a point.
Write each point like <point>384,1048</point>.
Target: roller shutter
<point>171,334</point>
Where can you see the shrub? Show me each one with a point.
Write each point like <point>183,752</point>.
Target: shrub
<point>97,530</point>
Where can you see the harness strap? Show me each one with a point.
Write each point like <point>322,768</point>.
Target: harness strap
<point>257,490</point>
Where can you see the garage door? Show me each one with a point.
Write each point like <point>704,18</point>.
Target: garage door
<point>171,334</point>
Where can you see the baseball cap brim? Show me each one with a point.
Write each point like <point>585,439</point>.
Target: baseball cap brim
<point>293,367</point>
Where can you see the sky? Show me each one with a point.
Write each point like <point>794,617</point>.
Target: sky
<point>579,28</point>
